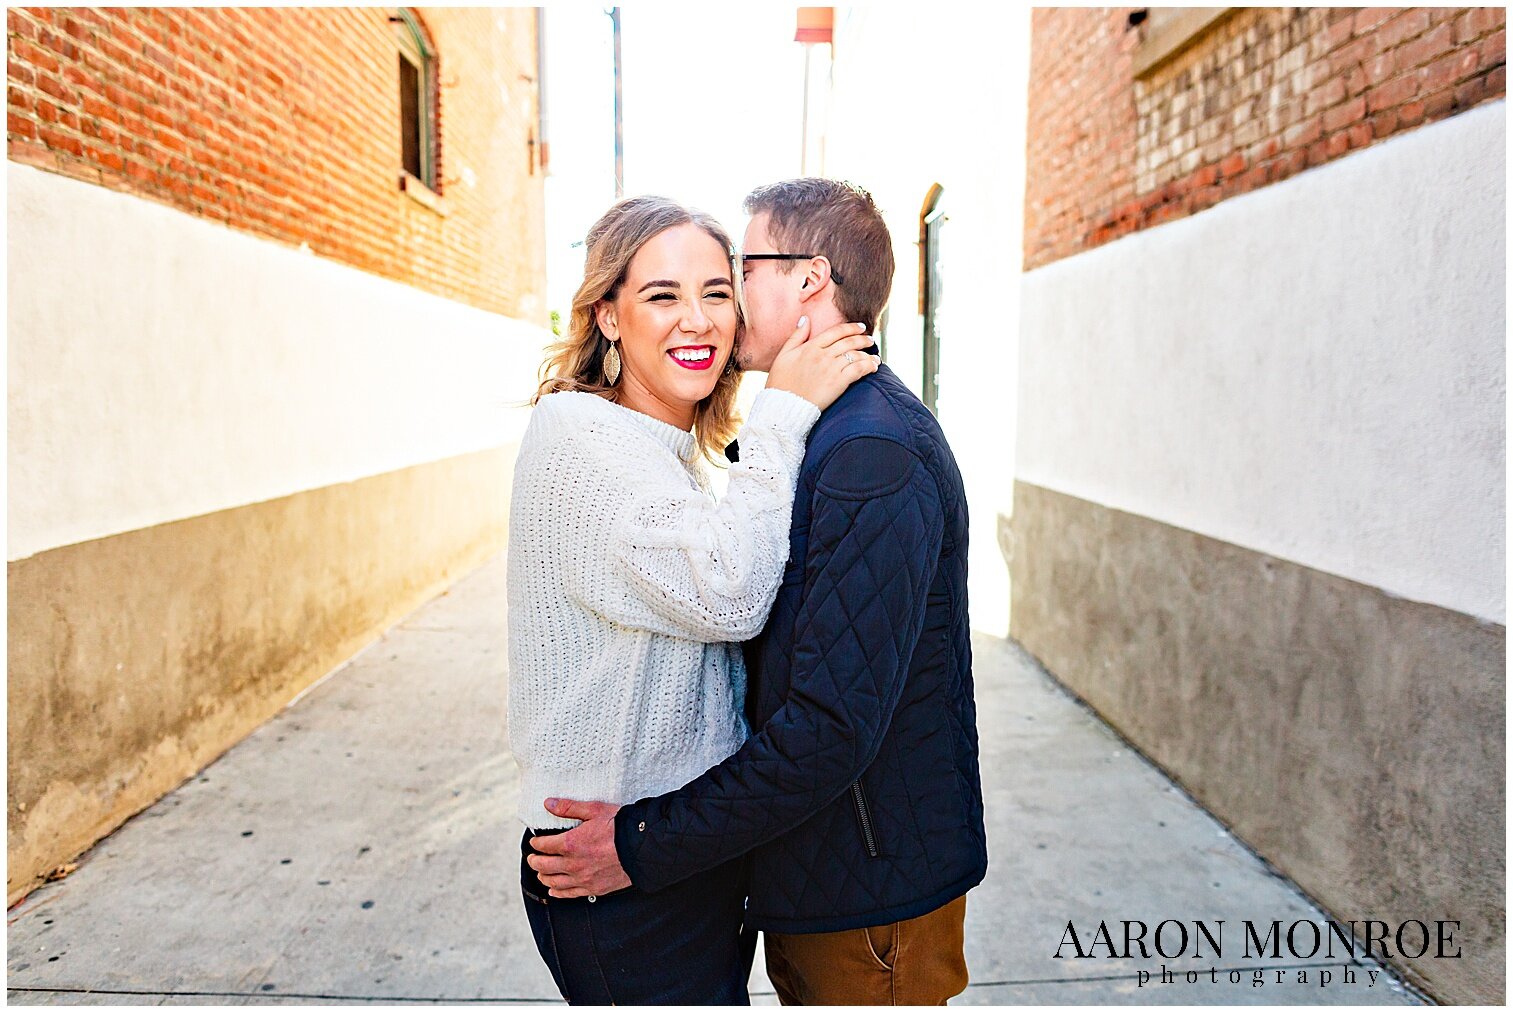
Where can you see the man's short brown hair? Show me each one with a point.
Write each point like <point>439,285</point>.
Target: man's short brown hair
<point>840,222</point>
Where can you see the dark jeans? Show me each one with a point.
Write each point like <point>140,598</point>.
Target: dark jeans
<point>683,944</point>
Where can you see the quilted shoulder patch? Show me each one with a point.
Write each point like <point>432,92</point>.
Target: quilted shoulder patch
<point>865,467</point>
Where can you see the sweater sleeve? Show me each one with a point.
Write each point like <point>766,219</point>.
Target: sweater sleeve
<point>676,561</point>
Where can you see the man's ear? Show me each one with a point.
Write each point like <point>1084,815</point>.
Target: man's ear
<point>604,313</point>
<point>815,279</point>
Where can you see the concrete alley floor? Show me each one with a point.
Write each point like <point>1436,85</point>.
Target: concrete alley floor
<point>361,848</point>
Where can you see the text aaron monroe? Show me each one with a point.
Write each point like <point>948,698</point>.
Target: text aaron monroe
<point>1302,939</point>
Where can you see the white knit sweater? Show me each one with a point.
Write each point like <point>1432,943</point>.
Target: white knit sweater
<point>629,589</point>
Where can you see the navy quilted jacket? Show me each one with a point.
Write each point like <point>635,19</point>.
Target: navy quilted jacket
<point>858,792</point>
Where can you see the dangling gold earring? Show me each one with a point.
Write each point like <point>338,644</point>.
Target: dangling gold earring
<point>612,365</point>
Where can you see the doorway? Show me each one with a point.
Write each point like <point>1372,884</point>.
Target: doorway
<point>931,219</point>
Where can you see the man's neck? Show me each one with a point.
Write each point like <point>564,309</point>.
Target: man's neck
<point>823,317</point>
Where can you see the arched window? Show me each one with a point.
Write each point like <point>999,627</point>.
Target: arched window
<point>417,100</point>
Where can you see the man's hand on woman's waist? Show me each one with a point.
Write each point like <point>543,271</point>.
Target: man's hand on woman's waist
<point>582,862</point>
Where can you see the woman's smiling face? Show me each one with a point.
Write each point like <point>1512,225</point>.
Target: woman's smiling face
<point>674,323</point>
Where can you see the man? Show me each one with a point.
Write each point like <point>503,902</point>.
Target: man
<point>857,793</point>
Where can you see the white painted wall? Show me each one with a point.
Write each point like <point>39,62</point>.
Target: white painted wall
<point>927,95</point>
<point>1314,370</point>
<point>162,367</point>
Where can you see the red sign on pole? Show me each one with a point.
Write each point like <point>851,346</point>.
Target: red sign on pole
<point>816,24</point>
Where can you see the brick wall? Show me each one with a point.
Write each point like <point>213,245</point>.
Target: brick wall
<point>1261,94</point>
<point>284,122</point>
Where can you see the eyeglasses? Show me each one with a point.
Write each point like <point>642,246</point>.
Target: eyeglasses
<point>835,275</point>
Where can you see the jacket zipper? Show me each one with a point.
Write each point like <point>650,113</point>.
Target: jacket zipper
<point>866,820</point>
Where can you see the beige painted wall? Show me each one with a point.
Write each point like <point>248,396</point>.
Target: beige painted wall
<point>231,465</point>
<point>135,660</point>
<point>1314,370</point>
<point>162,366</point>
<point>1354,739</point>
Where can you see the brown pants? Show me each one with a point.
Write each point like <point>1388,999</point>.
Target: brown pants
<point>918,962</point>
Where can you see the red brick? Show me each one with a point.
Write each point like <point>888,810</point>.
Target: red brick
<point>1254,178</point>
<point>1325,95</point>
<point>1337,33</point>
<point>1409,23</point>
<point>1425,48</point>
<point>1290,165</point>
<point>1352,89</point>
<point>20,126</point>
<point>74,27</point>
<point>20,73</point>
<point>1380,67</point>
<point>115,52</point>
<point>307,150</point>
<point>1165,213</point>
<point>1409,114</point>
<point>1342,116</point>
<point>1263,150</point>
<point>1465,29</point>
<point>1349,57</point>
<point>1470,93</point>
<point>93,105</point>
<point>19,25</point>
<point>1489,19</point>
<point>1446,71</point>
<point>1233,165</point>
<point>52,86</point>
<point>29,152</point>
<point>1302,134</point>
<point>1493,49</point>
<point>1367,18</point>
<point>1394,92</point>
<point>171,141</point>
<point>57,140</point>
<point>1357,80</point>
<point>1439,105</point>
<point>36,57</point>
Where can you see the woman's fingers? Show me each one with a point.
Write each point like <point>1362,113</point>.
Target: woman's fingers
<point>859,364</point>
<point>850,350</point>
<point>799,336</point>
<point>820,368</point>
<point>840,332</point>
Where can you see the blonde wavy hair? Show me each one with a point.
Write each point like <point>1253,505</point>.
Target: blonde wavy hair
<point>577,361</point>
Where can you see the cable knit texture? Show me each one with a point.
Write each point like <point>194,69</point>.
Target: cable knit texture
<point>630,588</point>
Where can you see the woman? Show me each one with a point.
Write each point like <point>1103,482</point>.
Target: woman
<point>630,587</point>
